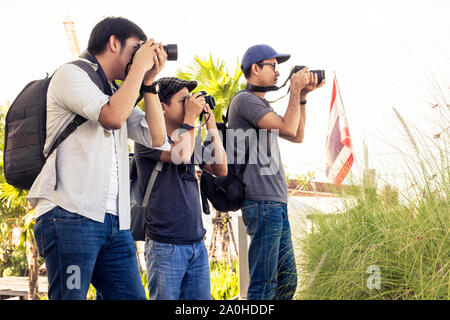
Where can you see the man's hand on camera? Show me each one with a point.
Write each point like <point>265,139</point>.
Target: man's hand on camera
<point>193,106</point>
<point>144,56</point>
<point>299,80</point>
<point>159,60</point>
<point>312,85</point>
<point>210,119</point>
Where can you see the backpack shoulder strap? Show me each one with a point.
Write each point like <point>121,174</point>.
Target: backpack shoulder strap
<point>71,127</point>
<point>225,121</point>
<point>91,73</point>
<point>225,118</point>
<point>157,169</point>
<point>77,120</point>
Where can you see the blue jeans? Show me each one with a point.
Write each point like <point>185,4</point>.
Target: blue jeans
<point>273,272</point>
<point>177,271</point>
<point>79,251</point>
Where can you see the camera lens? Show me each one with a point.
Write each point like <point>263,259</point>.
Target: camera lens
<point>320,75</point>
<point>210,101</point>
<point>172,51</point>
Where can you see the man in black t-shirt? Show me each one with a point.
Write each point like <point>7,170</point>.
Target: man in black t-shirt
<point>177,260</point>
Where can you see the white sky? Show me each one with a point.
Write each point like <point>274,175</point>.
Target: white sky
<point>385,54</point>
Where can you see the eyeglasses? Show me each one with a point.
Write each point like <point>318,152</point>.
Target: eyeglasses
<point>273,64</point>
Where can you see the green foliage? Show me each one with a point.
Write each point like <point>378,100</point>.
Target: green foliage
<point>409,247</point>
<point>214,78</point>
<point>224,280</point>
<point>144,279</point>
<point>15,262</point>
<point>302,180</point>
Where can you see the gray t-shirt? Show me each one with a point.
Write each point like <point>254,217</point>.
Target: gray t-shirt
<point>264,174</point>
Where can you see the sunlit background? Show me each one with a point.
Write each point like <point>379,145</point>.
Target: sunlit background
<point>385,54</point>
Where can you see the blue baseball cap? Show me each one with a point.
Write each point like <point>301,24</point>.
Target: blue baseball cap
<point>261,52</point>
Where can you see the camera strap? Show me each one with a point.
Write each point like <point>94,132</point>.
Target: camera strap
<point>90,57</point>
<point>251,87</point>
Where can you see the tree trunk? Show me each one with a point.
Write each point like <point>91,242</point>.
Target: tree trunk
<point>220,242</point>
<point>33,269</point>
<point>224,236</point>
<point>138,257</point>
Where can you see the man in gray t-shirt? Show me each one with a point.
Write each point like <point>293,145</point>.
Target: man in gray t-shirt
<point>257,127</point>
<point>264,175</point>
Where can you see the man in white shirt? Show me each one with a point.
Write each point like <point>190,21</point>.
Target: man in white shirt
<point>81,196</point>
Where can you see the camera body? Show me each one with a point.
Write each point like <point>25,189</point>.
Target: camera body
<point>170,49</point>
<point>209,100</point>
<point>320,73</point>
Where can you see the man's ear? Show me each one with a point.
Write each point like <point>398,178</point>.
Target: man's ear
<point>164,107</point>
<point>255,69</point>
<point>114,43</point>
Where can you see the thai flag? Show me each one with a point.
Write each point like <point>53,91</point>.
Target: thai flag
<point>339,143</point>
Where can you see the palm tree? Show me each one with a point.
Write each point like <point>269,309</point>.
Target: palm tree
<point>214,78</point>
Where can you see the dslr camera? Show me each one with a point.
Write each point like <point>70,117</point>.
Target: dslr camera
<point>320,73</point>
<point>170,49</point>
<point>209,100</point>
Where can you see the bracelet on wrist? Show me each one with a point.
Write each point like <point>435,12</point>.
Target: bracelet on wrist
<point>303,102</point>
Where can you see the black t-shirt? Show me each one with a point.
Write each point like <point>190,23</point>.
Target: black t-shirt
<point>174,212</point>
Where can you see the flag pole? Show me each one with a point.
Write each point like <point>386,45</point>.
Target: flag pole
<point>339,90</point>
<point>340,98</point>
<point>313,183</point>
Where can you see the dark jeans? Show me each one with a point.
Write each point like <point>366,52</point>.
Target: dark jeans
<point>273,272</point>
<point>79,251</point>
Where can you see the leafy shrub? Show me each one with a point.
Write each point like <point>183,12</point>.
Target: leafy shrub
<point>224,281</point>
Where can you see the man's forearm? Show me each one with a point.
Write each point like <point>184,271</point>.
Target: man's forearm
<point>217,162</point>
<point>155,118</point>
<point>300,133</point>
<point>291,117</point>
<point>301,125</point>
<point>182,149</point>
<point>122,102</point>
<point>218,151</point>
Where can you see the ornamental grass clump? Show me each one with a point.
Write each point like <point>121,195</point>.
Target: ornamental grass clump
<point>391,244</point>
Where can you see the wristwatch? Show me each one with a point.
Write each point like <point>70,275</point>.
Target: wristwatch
<point>153,88</point>
<point>186,126</point>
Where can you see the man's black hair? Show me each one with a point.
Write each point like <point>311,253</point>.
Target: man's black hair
<point>248,72</point>
<point>120,27</point>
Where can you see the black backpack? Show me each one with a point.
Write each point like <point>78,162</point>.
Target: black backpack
<point>139,201</point>
<point>224,193</point>
<point>25,129</point>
